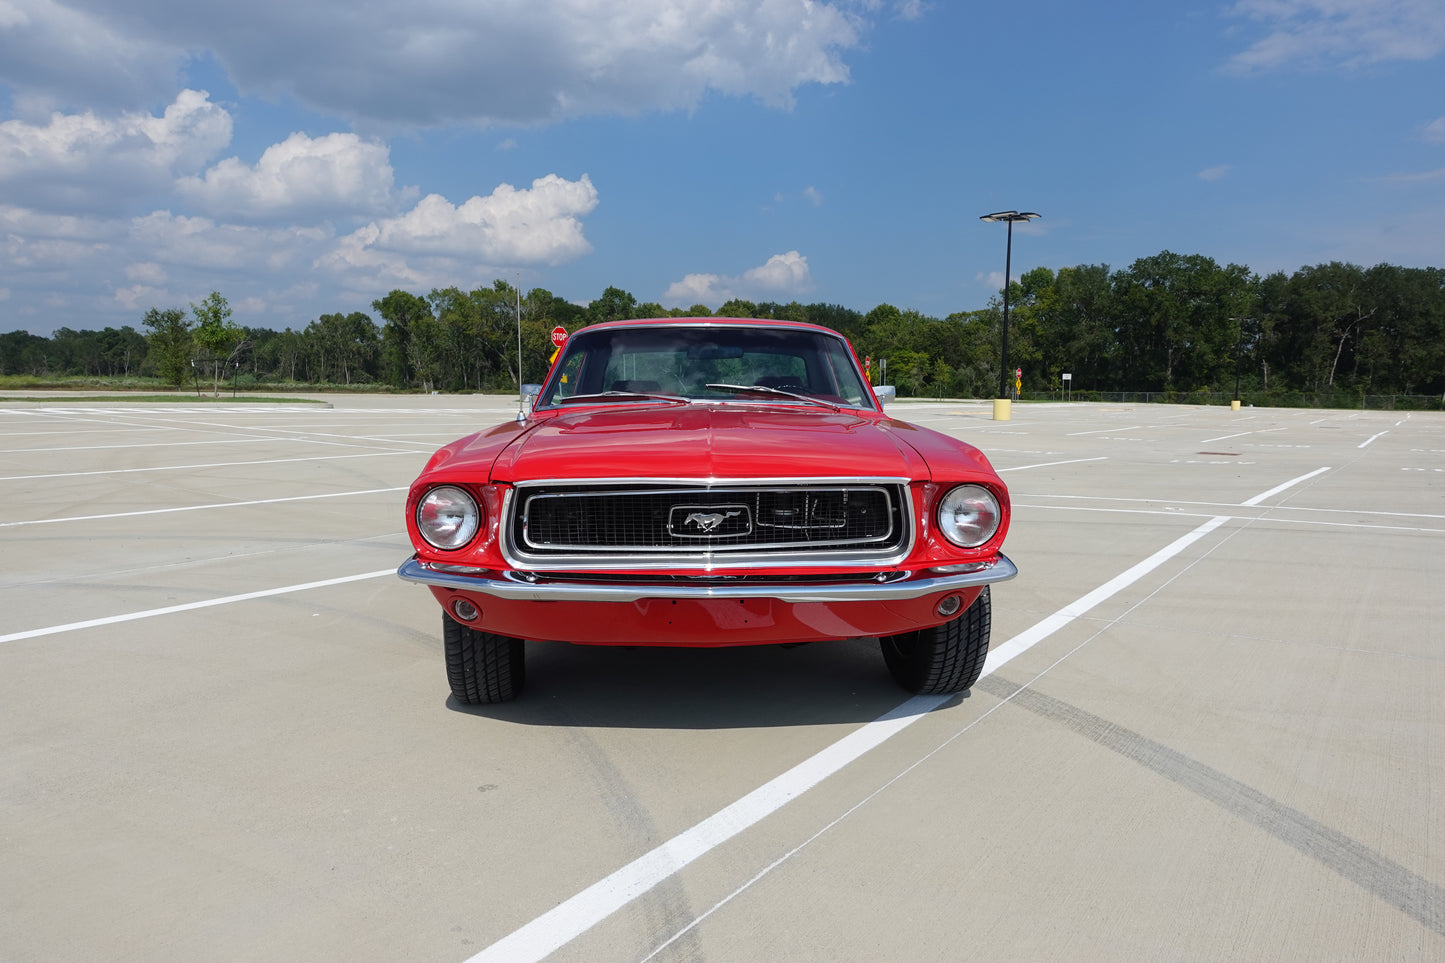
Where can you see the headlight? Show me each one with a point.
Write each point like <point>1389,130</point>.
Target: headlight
<point>448,517</point>
<point>969,515</point>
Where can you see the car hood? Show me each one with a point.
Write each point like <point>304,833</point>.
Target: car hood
<point>708,441</point>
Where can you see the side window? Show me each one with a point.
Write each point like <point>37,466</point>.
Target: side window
<point>569,377</point>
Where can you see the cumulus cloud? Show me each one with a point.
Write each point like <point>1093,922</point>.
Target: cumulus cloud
<point>439,243</point>
<point>301,177</point>
<point>53,55</point>
<point>910,9</point>
<point>1349,33</point>
<point>782,275</point>
<point>439,62</point>
<point>89,162</point>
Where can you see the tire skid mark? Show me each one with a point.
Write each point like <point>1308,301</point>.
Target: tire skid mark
<point>1382,877</point>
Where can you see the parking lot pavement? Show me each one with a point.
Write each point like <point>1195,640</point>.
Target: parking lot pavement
<point>1210,724</point>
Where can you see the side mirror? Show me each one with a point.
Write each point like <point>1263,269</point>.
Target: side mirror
<point>529,400</point>
<point>884,394</point>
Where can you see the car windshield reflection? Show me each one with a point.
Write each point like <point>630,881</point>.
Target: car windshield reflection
<point>707,362</point>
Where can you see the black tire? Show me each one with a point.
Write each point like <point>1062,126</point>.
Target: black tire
<point>481,667</point>
<point>946,658</point>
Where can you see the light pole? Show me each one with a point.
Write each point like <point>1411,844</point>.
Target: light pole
<point>1001,404</point>
<point>1238,353</point>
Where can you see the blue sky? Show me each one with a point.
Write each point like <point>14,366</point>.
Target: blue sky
<point>305,158</point>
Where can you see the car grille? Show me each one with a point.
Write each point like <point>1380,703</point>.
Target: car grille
<point>666,521</point>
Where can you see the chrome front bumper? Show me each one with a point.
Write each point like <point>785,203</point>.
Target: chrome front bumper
<point>528,587</point>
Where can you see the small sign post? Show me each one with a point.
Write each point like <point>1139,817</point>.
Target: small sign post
<point>1069,385</point>
<point>559,338</point>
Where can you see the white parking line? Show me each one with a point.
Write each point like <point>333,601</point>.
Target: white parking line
<point>575,916</point>
<point>190,606</point>
<point>1050,464</point>
<point>1371,438</point>
<point>196,508</point>
<point>217,464</point>
<point>1287,485</point>
<point>1100,431</point>
<point>153,444</point>
<point>1240,434</point>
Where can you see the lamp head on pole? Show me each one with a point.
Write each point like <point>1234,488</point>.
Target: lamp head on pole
<point>1009,216</point>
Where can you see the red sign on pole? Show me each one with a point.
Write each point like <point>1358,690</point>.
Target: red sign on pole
<point>559,336</point>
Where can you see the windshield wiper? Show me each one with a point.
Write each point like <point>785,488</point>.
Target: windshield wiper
<point>622,396</point>
<point>765,390</point>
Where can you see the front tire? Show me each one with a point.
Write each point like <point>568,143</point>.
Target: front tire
<point>945,658</point>
<point>482,667</point>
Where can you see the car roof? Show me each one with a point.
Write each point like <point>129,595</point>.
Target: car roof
<point>708,321</point>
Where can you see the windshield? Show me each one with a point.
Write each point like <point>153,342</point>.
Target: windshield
<point>706,363</point>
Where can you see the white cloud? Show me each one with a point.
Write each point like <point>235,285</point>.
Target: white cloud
<point>53,54</point>
<point>1434,131</point>
<point>88,162</point>
<point>147,272</point>
<point>1415,177</point>
<point>438,243</point>
<point>535,225</point>
<point>782,275</point>
<point>440,62</point>
<point>1349,33</point>
<point>993,280</point>
<point>177,239</point>
<point>1215,173</point>
<point>301,177</point>
<point>910,9</point>
<point>814,196</point>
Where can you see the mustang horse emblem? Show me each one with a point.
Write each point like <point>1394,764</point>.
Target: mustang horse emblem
<point>707,521</point>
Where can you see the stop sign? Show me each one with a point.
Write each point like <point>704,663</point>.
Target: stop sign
<point>559,336</point>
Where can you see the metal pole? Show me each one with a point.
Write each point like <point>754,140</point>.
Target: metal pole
<point>1238,350</point>
<point>1007,270</point>
<point>1008,217</point>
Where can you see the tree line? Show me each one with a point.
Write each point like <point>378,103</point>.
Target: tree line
<point>1169,323</point>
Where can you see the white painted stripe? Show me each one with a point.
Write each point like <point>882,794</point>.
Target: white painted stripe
<point>190,606</point>
<point>157,444</point>
<point>1100,431</point>
<point>573,917</point>
<point>1050,464</point>
<point>217,464</point>
<point>1270,515</point>
<point>1262,431</point>
<point>1371,438</point>
<point>1016,495</point>
<point>1287,485</point>
<point>197,508</point>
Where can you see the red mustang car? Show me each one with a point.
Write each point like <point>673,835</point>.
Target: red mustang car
<point>707,482</point>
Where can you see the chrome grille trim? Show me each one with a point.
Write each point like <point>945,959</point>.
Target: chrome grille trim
<point>884,535</point>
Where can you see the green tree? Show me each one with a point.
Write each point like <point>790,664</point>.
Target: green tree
<point>737,308</point>
<point>399,310</point>
<point>217,335</point>
<point>171,343</point>
<point>614,305</point>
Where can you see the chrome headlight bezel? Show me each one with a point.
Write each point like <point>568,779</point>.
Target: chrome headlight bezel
<point>448,517</point>
<point>969,515</point>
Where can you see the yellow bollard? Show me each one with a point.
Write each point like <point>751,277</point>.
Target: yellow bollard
<point>1234,405</point>
<point>1001,409</point>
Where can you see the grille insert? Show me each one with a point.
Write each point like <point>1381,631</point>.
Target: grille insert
<point>592,521</point>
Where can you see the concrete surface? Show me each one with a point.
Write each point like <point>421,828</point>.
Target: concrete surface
<point>225,731</point>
